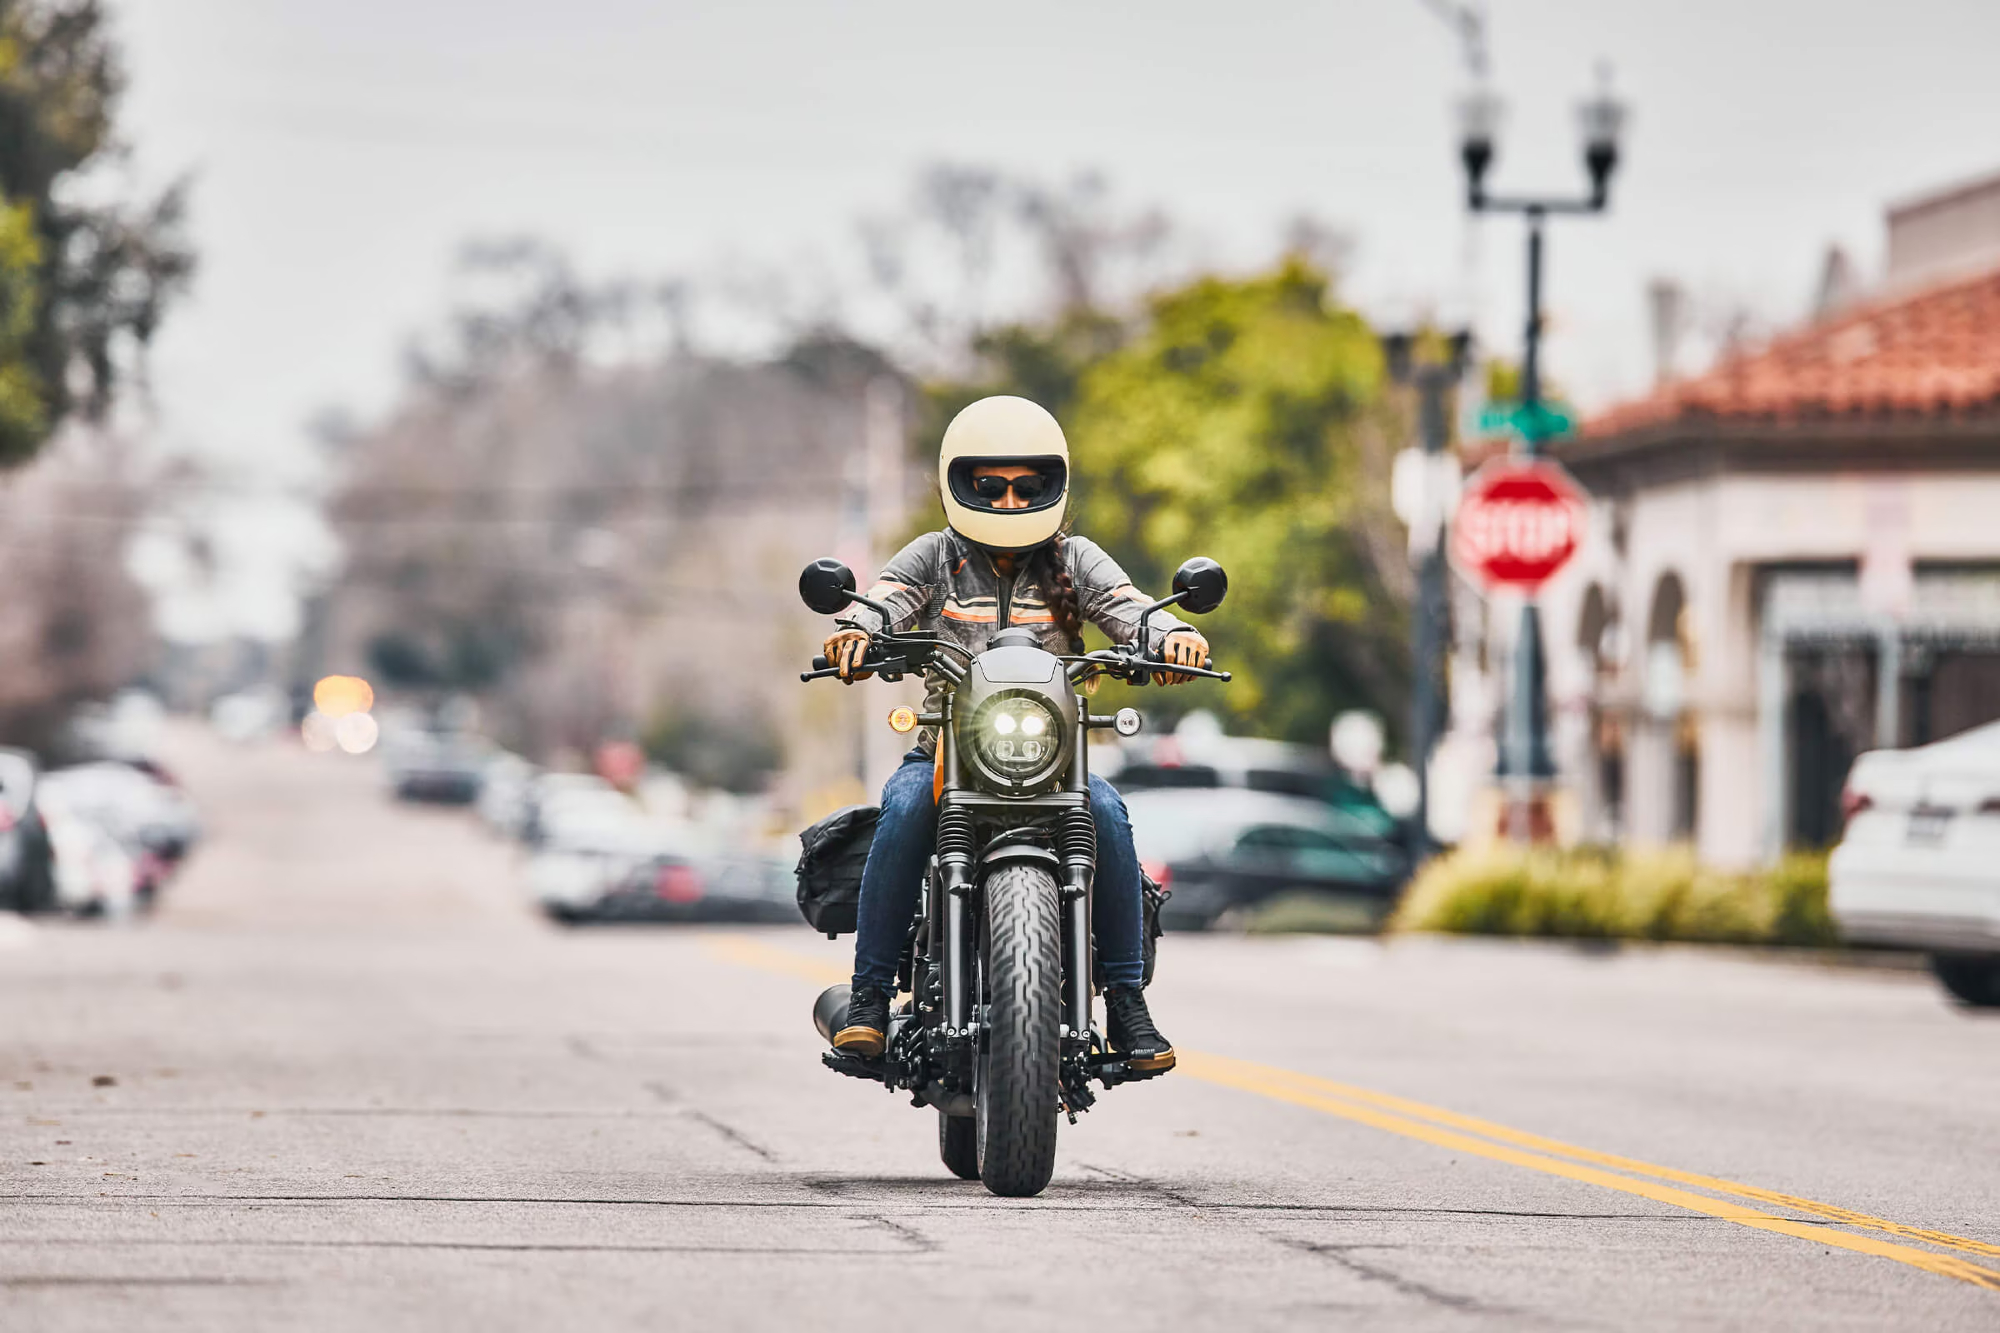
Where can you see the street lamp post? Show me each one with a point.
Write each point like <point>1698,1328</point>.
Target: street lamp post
<point>1525,760</point>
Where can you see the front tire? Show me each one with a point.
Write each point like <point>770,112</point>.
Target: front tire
<point>1019,1065</point>
<point>1972,979</point>
<point>958,1145</point>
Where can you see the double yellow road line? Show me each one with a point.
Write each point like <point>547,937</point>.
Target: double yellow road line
<point>1712,1196</point>
<point>1662,1184</point>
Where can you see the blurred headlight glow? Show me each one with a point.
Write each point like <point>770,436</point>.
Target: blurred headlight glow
<point>356,733</point>
<point>317,732</point>
<point>337,696</point>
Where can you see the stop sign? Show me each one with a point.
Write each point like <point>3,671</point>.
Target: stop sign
<point>1519,522</point>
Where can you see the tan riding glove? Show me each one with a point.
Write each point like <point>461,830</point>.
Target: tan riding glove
<point>844,648</point>
<point>1184,647</point>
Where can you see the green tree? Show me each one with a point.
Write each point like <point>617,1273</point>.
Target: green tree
<point>1242,421</point>
<point>80,283</point>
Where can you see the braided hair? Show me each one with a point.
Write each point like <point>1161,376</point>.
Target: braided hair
<point>1063,602</point>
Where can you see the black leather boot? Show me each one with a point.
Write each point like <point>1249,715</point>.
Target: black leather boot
<point>1132,1032</point>
<point>867,1030</point>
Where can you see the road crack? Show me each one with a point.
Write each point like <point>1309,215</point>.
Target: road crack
<point>1339,1254</point>
<point>733,1134</point>
<point>1343,1256</point>
<point>917,1240</point>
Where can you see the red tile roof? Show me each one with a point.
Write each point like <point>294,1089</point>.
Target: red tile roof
<point>1934,352</point>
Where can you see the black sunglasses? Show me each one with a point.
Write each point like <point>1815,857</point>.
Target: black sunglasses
<point>1031,487</point>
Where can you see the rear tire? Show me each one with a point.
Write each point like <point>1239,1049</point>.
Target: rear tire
<point>958,1145</point>
<point>1019,1065</point>
<point>1972,979</point>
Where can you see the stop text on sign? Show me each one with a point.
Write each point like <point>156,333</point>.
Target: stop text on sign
<point>1519,522</point>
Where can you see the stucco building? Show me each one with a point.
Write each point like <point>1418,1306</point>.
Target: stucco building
<point>1792,558</point>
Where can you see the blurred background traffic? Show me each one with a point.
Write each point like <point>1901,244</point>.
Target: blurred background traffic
<point>459,394</point>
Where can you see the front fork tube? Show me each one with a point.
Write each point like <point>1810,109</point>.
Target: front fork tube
<point>954,851</point>
<point>957,975</point>
<point>1079,855</point>
<point>1076,953</point>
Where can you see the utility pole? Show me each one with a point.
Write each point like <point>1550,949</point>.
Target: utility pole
<point>1428,479</point>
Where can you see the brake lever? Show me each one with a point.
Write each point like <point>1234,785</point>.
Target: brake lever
<point>883,666</point>
<point>1146,666</point>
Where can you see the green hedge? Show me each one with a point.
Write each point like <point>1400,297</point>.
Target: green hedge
<point>1597,893</point>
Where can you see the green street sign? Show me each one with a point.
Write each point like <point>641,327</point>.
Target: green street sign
<point>1539,421</point>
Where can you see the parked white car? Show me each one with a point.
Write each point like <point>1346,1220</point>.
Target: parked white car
<point>548,792</point>
<point>506,793</point>
<point>96,874</point>
<point>1919,864</point>
<point>141,806</point>
<point>589,846</point>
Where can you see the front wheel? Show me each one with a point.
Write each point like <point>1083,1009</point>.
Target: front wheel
<point>1019,1066</point>
<point>1972,979</point>
<point>958,1145</point>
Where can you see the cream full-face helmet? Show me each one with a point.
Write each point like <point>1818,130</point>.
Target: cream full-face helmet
<point>1004,431</point>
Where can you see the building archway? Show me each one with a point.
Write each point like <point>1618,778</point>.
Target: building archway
<point>1664,768</point>
<point>1602,779</point>
<point>1671,663</point>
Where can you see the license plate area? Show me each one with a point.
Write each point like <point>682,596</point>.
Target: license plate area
<point>1928,825</point>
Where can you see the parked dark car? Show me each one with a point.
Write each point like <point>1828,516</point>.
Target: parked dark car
<point>1218,850</point>
<point>736,889</point>
<point>1252,763</point>
<point>446,767</point>
<point>27,865</point>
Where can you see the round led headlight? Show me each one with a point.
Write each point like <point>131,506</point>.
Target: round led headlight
<point>1016,736</point>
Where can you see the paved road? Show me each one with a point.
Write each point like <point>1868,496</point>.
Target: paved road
<point>346,1082</point>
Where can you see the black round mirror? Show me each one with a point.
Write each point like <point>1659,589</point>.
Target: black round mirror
<point>826,585</point>
<point>1202,585</point>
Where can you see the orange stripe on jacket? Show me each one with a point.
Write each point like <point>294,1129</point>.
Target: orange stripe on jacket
<point>955,613</point>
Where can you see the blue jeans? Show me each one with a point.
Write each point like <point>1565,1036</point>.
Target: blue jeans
<point>905,837</point>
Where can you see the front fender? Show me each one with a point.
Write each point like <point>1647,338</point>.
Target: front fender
<point>1017,852</point>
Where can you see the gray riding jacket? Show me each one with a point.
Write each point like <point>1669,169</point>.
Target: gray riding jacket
<point>942,584</point>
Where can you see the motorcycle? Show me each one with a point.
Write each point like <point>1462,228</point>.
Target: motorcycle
<point>998,1033</point>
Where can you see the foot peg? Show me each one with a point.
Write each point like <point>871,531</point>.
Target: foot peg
<point>854,1066</point>
<point>1115,1071</point>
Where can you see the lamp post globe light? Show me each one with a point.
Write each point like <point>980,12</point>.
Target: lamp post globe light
<point>1479,115</point>
<point>1601,120</point>
<point>1526,765</point>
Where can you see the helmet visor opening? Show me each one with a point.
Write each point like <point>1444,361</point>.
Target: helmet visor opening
<point>1042,487</point>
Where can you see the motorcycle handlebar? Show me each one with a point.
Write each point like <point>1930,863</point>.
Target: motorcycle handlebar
<point>869,665</point>
<point>1138,670</point>
<point>1133,669</point>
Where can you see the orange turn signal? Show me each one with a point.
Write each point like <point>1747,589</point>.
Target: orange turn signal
<point>903,719</point>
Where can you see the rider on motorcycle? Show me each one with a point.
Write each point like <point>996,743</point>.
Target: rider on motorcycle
<point>1003,475</point>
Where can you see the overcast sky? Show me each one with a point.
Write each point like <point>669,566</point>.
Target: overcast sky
<point>342,151</point>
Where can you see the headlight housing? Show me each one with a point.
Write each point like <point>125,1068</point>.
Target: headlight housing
<point>1016,736</point>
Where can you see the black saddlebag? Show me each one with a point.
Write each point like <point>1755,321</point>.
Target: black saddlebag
<point>829,871</point>
<point>1154,898</point>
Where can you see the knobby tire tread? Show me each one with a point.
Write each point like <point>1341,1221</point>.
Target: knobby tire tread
<point>1020,1078</point>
